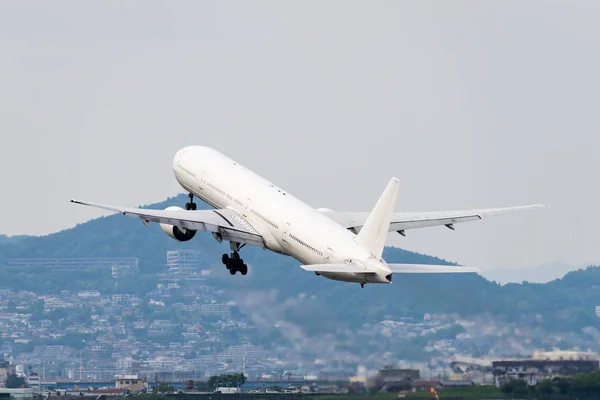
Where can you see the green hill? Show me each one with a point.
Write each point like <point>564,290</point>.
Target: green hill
<point>566,303</point>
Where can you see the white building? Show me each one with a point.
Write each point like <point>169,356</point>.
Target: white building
<point>33,380</point>
<point>123,270</point>
<point>18,394</point>
<point>565,355</point>
<point>88,294</point>
<point>130,382</point>
<point>183,262</point>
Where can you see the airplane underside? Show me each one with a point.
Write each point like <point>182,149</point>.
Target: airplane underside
<point>362,278</point>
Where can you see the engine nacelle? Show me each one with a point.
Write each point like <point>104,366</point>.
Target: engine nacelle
<point>177,233</point>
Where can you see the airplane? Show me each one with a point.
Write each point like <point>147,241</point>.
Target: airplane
<point>250,210</point>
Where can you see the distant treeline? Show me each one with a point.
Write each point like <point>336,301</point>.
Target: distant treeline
<point>581,386</point>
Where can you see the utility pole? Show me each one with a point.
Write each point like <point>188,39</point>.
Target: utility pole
<point>43,365</point>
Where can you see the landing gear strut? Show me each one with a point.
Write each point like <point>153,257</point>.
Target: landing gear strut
<point>190,205</point>
<point>233,262</point>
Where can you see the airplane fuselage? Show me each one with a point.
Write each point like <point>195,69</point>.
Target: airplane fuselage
<point>288,225</point>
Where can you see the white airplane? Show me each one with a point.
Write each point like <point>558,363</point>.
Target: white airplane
<point>343,246</point>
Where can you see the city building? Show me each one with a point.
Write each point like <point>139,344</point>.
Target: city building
<point>391,379</point>
<point>17,394</point>
<point>120,270</point>
<point>565,355</point>
<point>33,381</point>
<point>130,382</point>
<point>183,262</point>
<point>4,370</point>
<point>535,370</point>
<point>74,264</point>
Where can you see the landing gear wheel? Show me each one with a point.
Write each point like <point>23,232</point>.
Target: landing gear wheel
<point>233,262</point>
<point>362,285</point>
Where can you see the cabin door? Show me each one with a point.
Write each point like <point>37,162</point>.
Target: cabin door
<point>327,255</point>
<point>285,237</point>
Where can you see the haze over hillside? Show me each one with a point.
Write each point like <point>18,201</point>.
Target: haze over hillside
<point>116,235</point>
<point>290,309</point>
<point>144,244</point>
<point>538,274</point>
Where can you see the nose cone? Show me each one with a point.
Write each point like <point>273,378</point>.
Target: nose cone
<point>177,159</point>
<point>179,156</point>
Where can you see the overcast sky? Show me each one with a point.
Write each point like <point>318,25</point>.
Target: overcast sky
<point>469,103</point>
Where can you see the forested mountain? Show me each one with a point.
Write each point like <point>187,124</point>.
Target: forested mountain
<point>566,303</point>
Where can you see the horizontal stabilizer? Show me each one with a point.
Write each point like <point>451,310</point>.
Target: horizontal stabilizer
<point>402,221</point>
<point>342,267</point>
<point>430,269</point>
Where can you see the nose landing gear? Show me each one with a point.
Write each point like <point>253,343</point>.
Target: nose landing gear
<point>190,205</point>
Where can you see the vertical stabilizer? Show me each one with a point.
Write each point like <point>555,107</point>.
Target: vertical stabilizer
<point>374,232</point>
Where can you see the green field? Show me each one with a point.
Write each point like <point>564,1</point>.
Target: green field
<point>475,392</point>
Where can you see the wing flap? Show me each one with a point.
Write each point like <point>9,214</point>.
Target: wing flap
<point>231,225</point>
<point>430,269</point>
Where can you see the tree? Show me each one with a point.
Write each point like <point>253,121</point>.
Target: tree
<point>226,380</point>
<point>516,387</point>
<point>545,387</point>
<point>202,386</point>
<point>13,381</point>
<point>562,384</point>
<point>164,387</point>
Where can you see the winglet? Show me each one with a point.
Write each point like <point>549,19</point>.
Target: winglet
<point>374,232</point>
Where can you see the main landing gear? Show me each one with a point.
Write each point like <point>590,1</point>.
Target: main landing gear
<point>233,262</point>
<point>190,205</point>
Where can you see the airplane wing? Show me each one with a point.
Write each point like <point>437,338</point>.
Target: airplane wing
<point>231,225</point>
<point>401,221</point>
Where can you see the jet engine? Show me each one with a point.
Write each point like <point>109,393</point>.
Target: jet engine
<point>177,233</point>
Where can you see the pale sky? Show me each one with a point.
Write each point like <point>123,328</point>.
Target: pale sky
<point>470,104</point>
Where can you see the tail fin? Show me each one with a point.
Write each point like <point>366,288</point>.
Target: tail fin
<point>374,232</point>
